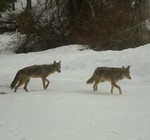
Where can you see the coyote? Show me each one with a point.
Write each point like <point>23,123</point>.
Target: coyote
<point>112,75</point>
<point>36,71</point>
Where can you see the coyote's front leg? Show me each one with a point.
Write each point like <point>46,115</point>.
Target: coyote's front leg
<point>115,85</point>
<point>43,80</point>
<point>44,83</point>
<point>47,82</point>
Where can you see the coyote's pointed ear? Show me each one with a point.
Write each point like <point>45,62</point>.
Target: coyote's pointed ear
<point>128,67</point>
<point>54,62</point>
<point>123,67</point>
<point>59,62</point>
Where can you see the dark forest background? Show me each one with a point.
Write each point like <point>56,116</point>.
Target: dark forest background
<point>98,24</point>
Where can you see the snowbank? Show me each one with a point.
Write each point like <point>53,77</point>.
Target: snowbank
<point>69,109</point>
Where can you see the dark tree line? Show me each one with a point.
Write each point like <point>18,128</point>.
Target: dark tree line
<point>100,24</point>
<point>105,24</point>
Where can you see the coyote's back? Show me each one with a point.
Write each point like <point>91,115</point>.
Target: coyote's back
<point>110,74</point>
<point>36,71</point>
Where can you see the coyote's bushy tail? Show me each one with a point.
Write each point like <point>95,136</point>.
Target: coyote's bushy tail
<point>91,80</point>
<point>14,82</point>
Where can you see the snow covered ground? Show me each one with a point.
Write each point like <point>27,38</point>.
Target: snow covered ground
<point>69,109</point>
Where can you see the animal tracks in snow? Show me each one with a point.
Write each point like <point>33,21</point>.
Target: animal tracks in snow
<point>8,130</point>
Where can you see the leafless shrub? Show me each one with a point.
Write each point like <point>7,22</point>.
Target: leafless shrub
<point>101,24</point>
<point>109,24</point>
<point>45,26</point>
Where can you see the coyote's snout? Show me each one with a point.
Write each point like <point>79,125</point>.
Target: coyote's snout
<point>112,75</point>
<point>36,71</point>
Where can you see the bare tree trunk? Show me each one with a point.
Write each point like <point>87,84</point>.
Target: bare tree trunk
<point>13,6</point>
<point>29,5</point>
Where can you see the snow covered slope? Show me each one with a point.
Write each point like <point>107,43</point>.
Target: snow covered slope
<point>69,109</point>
